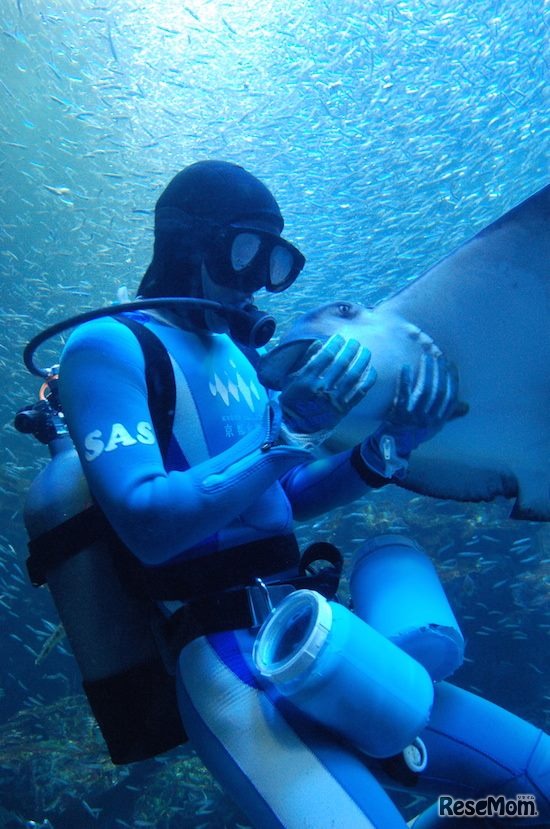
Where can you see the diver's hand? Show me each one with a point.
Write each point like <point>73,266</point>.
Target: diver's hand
<point>423,403</point>
<point>336,376</point>
<point>422,406</point>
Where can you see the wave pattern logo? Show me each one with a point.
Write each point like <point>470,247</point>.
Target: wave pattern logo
<point>234,389</point>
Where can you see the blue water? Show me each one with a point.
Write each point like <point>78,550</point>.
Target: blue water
<point>390,132</point>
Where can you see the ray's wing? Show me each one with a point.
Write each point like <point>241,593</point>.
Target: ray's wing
<point>487,305</point>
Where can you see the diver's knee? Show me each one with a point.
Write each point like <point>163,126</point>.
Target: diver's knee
<point>396,589</point>
<point>537,773</point>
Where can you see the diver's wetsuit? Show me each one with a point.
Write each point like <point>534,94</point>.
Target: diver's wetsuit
<point>215,491</point>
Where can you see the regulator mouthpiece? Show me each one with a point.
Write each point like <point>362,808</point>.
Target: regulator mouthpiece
<point>249,326</point>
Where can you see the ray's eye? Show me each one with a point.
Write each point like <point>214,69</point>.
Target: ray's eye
<point>345,310</point>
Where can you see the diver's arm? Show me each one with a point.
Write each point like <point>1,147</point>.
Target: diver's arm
<point>322,485</point>
<point>157,514</point>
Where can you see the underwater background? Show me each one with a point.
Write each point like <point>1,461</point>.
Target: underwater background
<point>390,132</point>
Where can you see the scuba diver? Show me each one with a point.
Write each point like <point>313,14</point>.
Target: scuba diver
<point>193,477</point>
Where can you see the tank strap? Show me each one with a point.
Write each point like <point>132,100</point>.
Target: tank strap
<point>52,548</point>
<point>218,571</point>
<point>209,574</point>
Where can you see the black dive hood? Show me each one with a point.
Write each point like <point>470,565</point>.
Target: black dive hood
<point>248,326</point>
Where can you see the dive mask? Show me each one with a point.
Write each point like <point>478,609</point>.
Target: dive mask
<point>248,259</point>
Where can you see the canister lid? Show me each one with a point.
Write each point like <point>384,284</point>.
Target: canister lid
<point>292,636</point>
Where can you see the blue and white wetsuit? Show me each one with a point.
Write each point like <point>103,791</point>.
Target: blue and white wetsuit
<point>213,494</point>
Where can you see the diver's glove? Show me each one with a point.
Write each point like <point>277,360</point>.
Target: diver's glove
<point>420,409</point>
<point>336,376</point>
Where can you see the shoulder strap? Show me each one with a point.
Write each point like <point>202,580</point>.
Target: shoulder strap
<point>159,376</point>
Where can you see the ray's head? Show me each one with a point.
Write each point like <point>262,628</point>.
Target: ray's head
<point>329,319</point>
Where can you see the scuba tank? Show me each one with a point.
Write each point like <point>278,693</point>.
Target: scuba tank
<point>116,636</point>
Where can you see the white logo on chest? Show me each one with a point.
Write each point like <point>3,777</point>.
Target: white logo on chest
<point>235,388</point>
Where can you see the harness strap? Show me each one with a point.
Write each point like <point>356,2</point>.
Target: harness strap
<point>216,571</point>
<point>230,610</point>
<point>159,376</point>
<point>321,551</point>
<point>247,607</point>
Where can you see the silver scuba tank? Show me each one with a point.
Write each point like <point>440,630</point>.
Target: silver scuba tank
<point>113,633</point>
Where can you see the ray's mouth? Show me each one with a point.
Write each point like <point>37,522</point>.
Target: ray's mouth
<point>283,360</point>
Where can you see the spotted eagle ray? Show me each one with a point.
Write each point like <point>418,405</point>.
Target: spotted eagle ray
<point>487,307</point>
